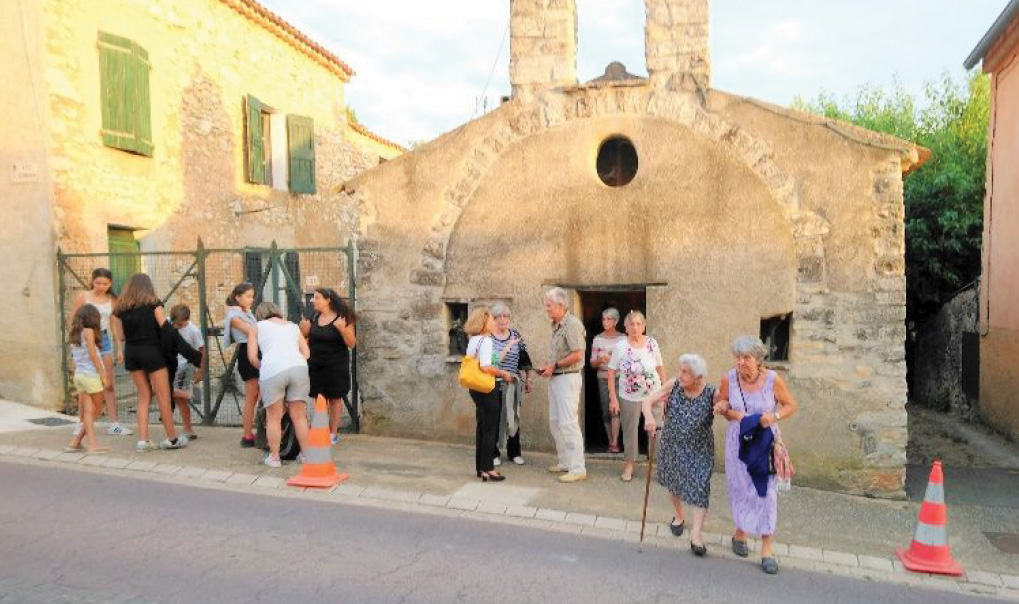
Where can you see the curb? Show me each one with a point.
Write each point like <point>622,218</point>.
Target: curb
<point>871,568</point>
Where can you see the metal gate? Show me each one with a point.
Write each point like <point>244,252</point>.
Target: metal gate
<point>202,278</point>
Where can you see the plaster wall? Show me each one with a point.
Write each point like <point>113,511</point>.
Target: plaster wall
<point>29,358</point>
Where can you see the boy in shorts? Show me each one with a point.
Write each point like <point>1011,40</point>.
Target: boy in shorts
<point>186,375</point>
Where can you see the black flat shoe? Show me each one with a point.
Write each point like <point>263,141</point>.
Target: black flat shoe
<point>739,547</point>
<point>492,477</point>
<point>769,565</point>
<point>698,550</point>
<point>677,529</point>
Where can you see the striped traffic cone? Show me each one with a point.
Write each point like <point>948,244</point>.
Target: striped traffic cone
<point>318,469</point>
<point>929,551</point>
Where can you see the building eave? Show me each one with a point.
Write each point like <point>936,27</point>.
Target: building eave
<point>993,34</point>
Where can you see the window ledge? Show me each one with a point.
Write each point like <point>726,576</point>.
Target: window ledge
<point>782,366</point>
<point>454,359</point>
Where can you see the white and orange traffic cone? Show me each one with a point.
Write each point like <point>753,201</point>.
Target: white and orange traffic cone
<point>318,469</point>
<point>929,551</point>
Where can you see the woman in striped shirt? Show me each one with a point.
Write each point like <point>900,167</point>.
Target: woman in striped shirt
<point>513,358</point>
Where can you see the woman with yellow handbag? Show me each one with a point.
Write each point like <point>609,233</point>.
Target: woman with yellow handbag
<point>478,370</point>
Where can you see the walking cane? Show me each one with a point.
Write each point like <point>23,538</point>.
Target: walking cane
<point>650,466</point>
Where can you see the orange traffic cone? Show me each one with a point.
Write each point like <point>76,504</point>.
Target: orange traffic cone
<point>318,469</point>
<point>929,551</point>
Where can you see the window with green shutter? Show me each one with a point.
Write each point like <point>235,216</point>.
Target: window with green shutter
<point>255,134</point>
<point>124,94</point>
<point>301,152</point>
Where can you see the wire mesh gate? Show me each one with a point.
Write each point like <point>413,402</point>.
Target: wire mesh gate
<point>202,278</point>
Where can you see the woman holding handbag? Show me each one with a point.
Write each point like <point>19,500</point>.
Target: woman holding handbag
<point>752,396</point>
<point>480,325</point>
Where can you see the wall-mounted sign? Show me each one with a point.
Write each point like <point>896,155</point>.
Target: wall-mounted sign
<point>311,281</point>
<point>24,171</point>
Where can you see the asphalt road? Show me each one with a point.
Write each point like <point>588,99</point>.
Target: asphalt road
<point>76,537</point>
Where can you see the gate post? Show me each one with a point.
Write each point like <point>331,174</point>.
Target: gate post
<point>63,329</point>
<point>355,415</point>
<point>203,313</point>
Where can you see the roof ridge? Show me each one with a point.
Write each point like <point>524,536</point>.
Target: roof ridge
<point>356,127</point>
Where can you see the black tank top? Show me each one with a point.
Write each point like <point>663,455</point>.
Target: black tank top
<point>327,345</point>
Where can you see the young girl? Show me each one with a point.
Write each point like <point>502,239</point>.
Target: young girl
<point>89,381</point>
<point>239,324</point>
<point>100,295</point>
<point>141,315</point>
<point>330,334</point>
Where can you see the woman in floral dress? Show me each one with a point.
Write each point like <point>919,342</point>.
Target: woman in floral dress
<point>637,361</point>
<point>686,451</point>
<point>750,389</point>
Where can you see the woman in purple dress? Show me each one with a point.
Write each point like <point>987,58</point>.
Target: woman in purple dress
<point>751,389</point>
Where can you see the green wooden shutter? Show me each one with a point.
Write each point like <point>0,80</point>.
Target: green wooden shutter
<point>124,94</point>
<point>301,150</point>
<point>139,100</point>
<point>255,142</point>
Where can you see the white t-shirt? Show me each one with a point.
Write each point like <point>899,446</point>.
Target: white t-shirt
<point>602,345</point>
<point>193,336</point>
<point>280,349</point>
<point>481,347</point>
<point>637,368</point>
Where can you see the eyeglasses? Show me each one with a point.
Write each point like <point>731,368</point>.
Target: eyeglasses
<point>507,316</point>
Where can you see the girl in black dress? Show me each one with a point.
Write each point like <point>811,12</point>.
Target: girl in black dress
<point>140,312</point>
<point>330,334</point>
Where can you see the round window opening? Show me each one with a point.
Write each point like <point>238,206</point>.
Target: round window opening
<point>617,161</point>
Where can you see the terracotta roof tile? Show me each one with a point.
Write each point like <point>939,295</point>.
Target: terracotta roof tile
<point>375,137</point>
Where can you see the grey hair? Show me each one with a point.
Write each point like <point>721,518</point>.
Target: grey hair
<point>633,314</point>
<point>557,295</point>
<point>750,345</point>
<point>500,308</point>
<point>611,313</point>
<point>268,310</point>
<point>695,363</point>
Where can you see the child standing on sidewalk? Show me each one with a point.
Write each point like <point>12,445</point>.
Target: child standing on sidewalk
<point>186,375</point>
<point>89,381</point>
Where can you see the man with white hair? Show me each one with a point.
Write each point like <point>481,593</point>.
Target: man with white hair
<point>564,373</point>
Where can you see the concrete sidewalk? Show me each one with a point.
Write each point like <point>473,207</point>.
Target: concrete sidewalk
<point>813,525</point>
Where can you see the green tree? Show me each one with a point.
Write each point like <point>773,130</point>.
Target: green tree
<point>944,198</point>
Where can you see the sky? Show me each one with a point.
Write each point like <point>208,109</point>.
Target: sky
<point>425,67</point>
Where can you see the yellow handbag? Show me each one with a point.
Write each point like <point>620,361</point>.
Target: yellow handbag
<point>473,378</point>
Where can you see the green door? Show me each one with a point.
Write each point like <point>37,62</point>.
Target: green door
<point>122,241</point>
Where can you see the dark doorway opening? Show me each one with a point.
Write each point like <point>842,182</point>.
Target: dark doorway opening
<point>592,303</point>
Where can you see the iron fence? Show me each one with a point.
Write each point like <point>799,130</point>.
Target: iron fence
<point>202,279</point>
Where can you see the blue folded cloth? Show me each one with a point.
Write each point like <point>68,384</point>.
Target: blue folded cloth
<point>755,450</point>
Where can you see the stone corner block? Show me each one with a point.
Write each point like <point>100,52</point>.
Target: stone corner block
<point>434,500</point>
<point>116,463</point>
<point>268,482</point>
<point>876,563</point>
<point>983,578</point>
<point>140,465</point>
<point>241,479</point>
<point>47,454</point>
<point>166,469</point>
<point>607,522</point>
<point>841,558</point>
<point>491,507</point>
<point>521,511</point>
<point>552,515</point>
<point>216,475</point>
<point>806,553</point>
<point>463,503</point>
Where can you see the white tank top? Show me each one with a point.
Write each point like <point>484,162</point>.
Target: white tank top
<point>105,310</point>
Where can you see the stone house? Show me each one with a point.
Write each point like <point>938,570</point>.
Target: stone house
<point>717,214</point>
<point>998,322</point>
<point>144,124</point>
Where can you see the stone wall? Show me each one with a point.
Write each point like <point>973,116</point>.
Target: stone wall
<point>496,223</point>
<point>676,44</point>
<point>937,365</point>
<point>543,45</point>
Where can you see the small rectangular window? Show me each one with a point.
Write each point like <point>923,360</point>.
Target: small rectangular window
<point>775,335</point>
<point>456,320</point>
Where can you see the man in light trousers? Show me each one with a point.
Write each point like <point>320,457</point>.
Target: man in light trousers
<point>565,379</point>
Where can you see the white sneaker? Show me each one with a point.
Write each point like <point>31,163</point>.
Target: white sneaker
<point>116,429</point>
<point>497,462</point>
<point>144,446</point>
<point>518,460</point>
<point>180,443</point>
<point>272,462</point>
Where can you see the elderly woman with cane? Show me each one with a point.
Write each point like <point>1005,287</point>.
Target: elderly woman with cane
<point>686,451</point>
<point>754,399</point>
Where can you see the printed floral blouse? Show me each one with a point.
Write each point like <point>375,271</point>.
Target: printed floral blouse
<point>637,368</point>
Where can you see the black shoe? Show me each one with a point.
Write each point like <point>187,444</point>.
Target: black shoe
<point>677,529</point>
<point>739,547</point>
<point>698,550</point>
<point>247,443</point>
<point>492,477</point>
<point>769,565</point>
